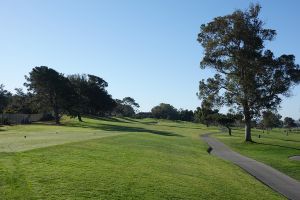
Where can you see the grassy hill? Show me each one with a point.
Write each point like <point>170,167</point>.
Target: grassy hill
<point>118,158</point>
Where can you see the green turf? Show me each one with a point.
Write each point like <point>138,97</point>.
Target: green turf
<point>143,159</point>
<point>273,148</point>
<point>20,138</point>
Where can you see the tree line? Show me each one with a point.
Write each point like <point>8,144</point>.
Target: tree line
<point>56,94</point>
<point>77,95</point>
<point>267,121</point>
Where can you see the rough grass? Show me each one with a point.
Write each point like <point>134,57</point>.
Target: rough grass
<point>143,159</point>
<point>273,148</point>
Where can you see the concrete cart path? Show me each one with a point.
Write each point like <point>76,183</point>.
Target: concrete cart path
<point>276,180</point>
<point>295,158</point>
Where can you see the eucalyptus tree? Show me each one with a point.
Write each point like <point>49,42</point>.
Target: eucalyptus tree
<point>289,122</point>
<point>248,76</point>
<point>271,119</point>
<point>22,102</point>
<point>91,96</point>
<point>51,88</point>
<point>131,102</point>
<point>4,98</point>
<point>165,111</point>
<point>227,120</point>
<point>127,107</point>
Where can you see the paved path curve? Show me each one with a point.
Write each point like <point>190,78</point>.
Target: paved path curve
<point>276,180</point>
<point>295,158</point>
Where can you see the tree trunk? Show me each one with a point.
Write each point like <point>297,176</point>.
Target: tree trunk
<point>229,130</point>
<point>247,116</point>
<point>79,118</point>
<point>248,129</point>
<point>56,115</point>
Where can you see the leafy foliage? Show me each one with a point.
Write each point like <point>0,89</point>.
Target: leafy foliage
<point>91,96</point>
<point>143,115</point>
<point>51,88</point>
<point>127,107</point>
<point>206,114</point>
<point>164,111</point>
<point>22,102</point>
<point>248,76</point>
<point>186,115</point>
<point>271,120</point>
<point>227,120</point>
<point>4,97</point>
<point>289,122</point>
<point>130,101</point>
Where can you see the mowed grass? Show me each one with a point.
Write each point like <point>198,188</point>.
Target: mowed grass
<point>273,148</point>
<point>142,159</point>
<point>21,138</point>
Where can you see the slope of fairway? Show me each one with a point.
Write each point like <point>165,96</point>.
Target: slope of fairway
<point>21,138</point>
<point>273,148</point>
<point>149,159</point>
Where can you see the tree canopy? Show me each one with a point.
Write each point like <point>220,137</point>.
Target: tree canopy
<point>205,113</point>
<point>130,101</point>
<point>289,122</point>
<point>271,119</point>
<point>22,102</point>
<point>186,115</point>
<point>127,107</point>
<point>51,88</point>
<point>248,77</point>
<point>4,97</point>
<point>91,96</point>
<point>164,111</point>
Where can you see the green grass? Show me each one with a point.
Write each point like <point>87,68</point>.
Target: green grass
<point>127,159</point>
<point>20,137</point>
<point>273,148</point>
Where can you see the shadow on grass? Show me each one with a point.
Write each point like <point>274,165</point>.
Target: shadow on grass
<point>149,123</point>
<point>197,128</point>
<point>155,123</point>
<point>276,145</point>
<point>130,120</point>
<point>140,122</point>
<point>118,128</point>
<point>109,119</point>
<point>285,140</point>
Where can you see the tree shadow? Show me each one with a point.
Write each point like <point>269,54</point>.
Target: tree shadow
<point>276,145</point>
<point>118,128</point>
<point>280,139</point>
<point>131,120</point>
<point>287,140</point>
<point>140,122</point>
<point>149,123</point>
<point>183,127</point>
<point>109,119</point>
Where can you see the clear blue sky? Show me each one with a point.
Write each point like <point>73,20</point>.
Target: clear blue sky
<point>143,49</point>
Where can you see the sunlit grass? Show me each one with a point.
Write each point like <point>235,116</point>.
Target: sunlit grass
<point>273,147</point>
<point>142,159</point>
